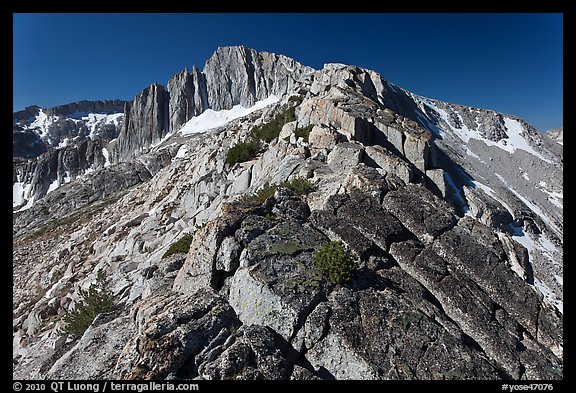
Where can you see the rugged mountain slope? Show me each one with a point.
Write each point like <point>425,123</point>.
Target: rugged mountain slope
<point>232,76</point>
<point>53,146</point>
<point>556,134</point>
<point>459,253</point>
<point>36,129</point>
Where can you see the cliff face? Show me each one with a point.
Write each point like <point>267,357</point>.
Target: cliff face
<point>37,177</point>
<point>242,76</point>
<point>144,123</point>
<point>231,76</point>
<point>459,254</point>
<point>188,97</point>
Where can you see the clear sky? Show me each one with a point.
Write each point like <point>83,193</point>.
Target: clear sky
<point>511,63</point>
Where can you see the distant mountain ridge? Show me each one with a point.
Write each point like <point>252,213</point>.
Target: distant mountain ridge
<point>556,134</point>
<point>52,146</point>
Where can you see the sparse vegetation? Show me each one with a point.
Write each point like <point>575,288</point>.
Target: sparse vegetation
<point>242,152</point>
<point>268,131</point>
<point>245,151</point>
<point>303,132</point>
<point>335,262</point>
<point>299,186</point>
<point>406,320</point>
<point>261,195</point>
<point>96,300</point>
<point>297,99</point>
<point>288,247</point>
<point>180,246</point>
<point>80,216</point>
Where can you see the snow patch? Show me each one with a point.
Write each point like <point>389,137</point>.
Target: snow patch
<point>20,192</point>
<point>546,244</point>
<point>514,130</point>
<point>556,200</point>
<point>182,151</point>
<point>54,185</point>
<point>491,193</point>
<point>519,236</point>
<point>93,120</point>
<point>64,143</point>
<point>106,155</point>
<point>165,138</point>
<point>27,206</point>
<point>455,191</point>
<point>545,247</point>
<point>42,122</point>
<point>535,209</point>
<point>210,119</point>
<point>554,197</point>
<point>559,279</point>
<point>549,295</point>
<point>471,154</point>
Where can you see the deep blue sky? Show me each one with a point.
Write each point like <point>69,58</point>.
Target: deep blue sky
<point>511,63</point>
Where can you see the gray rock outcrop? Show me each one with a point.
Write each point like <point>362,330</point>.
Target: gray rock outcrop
<point>145,123</point>
<point>64,124</point>
<point>188,97</point>
<point>556,134</point>
<point>236,75</point>
<point>458,254</point>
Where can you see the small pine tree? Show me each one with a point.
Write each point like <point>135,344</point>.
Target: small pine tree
<point>335,262</point>
<point>96,300</point>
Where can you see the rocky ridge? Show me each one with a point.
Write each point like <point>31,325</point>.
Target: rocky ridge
<point>53,146</point>
<point>35,129</point>
<point>556,134</point>
<point>445,287</point>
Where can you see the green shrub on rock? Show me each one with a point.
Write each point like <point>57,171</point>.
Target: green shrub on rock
<point>260,196</point>
<point>269,131</point>
<point>336,262</point>
<point>180,246</point>
<point>242,152</point>
<point>299,186</point>
<point>96,300</point>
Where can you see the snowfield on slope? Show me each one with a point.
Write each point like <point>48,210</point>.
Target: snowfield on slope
<point>532,243</point>
<point>514,130</point>
<point>42,122</point>
<point>210,119</point>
